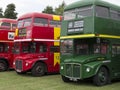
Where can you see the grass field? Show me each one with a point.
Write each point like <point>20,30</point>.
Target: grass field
<point>11,81</point>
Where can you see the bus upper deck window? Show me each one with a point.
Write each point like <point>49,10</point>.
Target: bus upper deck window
<point>78,12</point>
<point>5,25</point>
<point>102,12</point>
<point>115,15</point>
<point>27,22</point>
<point>84,11</point>
<point>69,15</point>
<point>55,23</point>
<point>40,22</point>
<point>14,26</point>
<point>20,24</point>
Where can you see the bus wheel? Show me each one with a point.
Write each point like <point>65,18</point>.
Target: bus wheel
<point>38,69</point>
<point>102,77</point>
<point>3,66</point>
<point>65,79</point>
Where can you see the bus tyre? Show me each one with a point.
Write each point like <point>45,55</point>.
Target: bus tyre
<point>38,69</point>
<point>3,66</point>
<point>65,79</point>
<point>102,77</point>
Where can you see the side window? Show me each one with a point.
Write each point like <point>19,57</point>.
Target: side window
<point>114,14</point>
<point>103,49</point>
<point>25,47</point>
<point>115,49</point>
<point>100,48</point>
<point>42,48</point>
<point>16,48</point>
<point>54,49</point>
<point>85,12</point>
<point>6,48</point>
<point>5,25</point>
<point>102,12</point>
<point>55,23</point>
<point>96,48</point>
<point>14,26</point>
<point>58,23</point>
<point>27,22</point>
<point>40,22</point>
<point>1,47</point>
<point>32,47</point>
<point>20,23</point>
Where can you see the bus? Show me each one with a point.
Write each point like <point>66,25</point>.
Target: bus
<point>37,47</point>
<point>7,31</point>
<point>9,24</point>
<point>90,42</point>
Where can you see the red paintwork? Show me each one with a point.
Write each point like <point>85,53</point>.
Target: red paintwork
<point>8,56</point>
<point>8,20</point>
<point>36,14</point>
<point>37,32</point>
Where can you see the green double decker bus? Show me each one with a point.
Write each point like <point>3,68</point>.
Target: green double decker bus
<point>90,42</point>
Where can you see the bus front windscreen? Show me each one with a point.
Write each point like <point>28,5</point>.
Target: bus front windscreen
<point>24,22</point>
<point>66,47</point>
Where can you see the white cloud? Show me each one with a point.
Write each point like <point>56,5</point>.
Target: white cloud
<point>24,6</point>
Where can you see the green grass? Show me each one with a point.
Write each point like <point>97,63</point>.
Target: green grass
<point>11,81</point>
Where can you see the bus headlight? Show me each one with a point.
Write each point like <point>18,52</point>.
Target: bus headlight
<point>62,68</point>
<point>27,64</point>
<point>13,63</point>
<point>88,69</point>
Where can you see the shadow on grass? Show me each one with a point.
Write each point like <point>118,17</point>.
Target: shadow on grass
<point>82,83</point>
<point>28,74</point>
<point>89,83</point>
<point>85,82</point>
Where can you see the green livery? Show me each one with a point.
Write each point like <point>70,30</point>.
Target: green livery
<point>90,42</point>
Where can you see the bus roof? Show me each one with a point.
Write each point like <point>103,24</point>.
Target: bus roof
<point>8,20</point>
<point>91,2</point>
<point>36,14</point>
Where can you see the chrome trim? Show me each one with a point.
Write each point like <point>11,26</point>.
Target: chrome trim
<point>73,78</point>
<point>43,58</point>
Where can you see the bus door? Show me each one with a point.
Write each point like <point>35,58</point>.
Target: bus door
<point>116,59</point>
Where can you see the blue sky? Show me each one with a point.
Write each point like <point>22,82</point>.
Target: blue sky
<point>25,6</point>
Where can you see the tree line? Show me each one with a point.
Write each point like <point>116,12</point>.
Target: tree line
<point>10,11</point>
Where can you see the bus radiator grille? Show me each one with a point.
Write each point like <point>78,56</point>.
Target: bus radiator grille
<point>72,70</point>
<point>18,64</point>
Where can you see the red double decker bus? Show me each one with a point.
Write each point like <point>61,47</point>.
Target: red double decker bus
<point>37,44</point>
<point>7,31</point>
